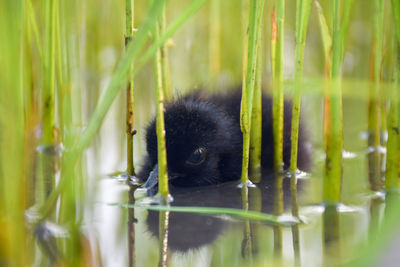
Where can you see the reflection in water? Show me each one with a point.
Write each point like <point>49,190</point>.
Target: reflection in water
<point>331,219</point>
<point>295,213</point>
<point>163,238</point>
<point>188,231</point>
<point>278,210</point>
<point>131,228</point>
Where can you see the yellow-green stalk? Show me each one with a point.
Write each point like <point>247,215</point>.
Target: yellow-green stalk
<point>62,69</point>
<point>50,134</point>
<point>160,125</point>
<point>392,160</point>
<point>327,44</point>
<point>396,18</point>
<point>256,119</point>
<point>334,146</point>
<point>166,78</point>
<point>277,49</point>
<point>392,157</point>
<point>374,158</point>
<point>302,15</point>
<point>255,18</point>
<point>48,93</point>
<point>13,229</point>
<point>130,132</point>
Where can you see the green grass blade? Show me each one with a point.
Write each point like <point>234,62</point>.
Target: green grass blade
<point>33,23</point>
<point>252,215</point>
<point>194,6</point>
<point>325,34</point>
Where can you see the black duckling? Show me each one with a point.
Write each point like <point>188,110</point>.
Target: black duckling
<point>204,140</point>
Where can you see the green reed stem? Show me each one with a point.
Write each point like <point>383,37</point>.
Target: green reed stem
<point>165,70</point>
<point>348,4</point>
<point>302,15</point>
<point>67,212</point>
<point>277,49</point>
<point>255,18</point>
<point>245,11</point>
<point>33,24</point>
<point>12,187</point>
<point>160,125</point>
<point>327,44</point>
<point>129,31</point>
<point>374,123</point>
<point>334,142</point>
<point>256,120</point>
<point>59,69</point>
<point>303,9</point>
<point>48,95</point>
<point>63,66</point>
<point>392,160</point>
<point>49,133</point>
<point>62,69</point>
<point>396,17</point>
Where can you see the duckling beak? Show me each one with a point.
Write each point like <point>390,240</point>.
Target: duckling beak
<point>152,182</point>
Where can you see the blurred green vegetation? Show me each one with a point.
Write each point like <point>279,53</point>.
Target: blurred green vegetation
<point>62,64</point>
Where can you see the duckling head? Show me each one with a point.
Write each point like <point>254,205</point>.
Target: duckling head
<point>203,145</point>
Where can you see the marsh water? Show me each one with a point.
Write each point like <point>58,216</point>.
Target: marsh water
<point>123,231</point>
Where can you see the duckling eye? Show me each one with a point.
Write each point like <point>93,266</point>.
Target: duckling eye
<point>197,157</point>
